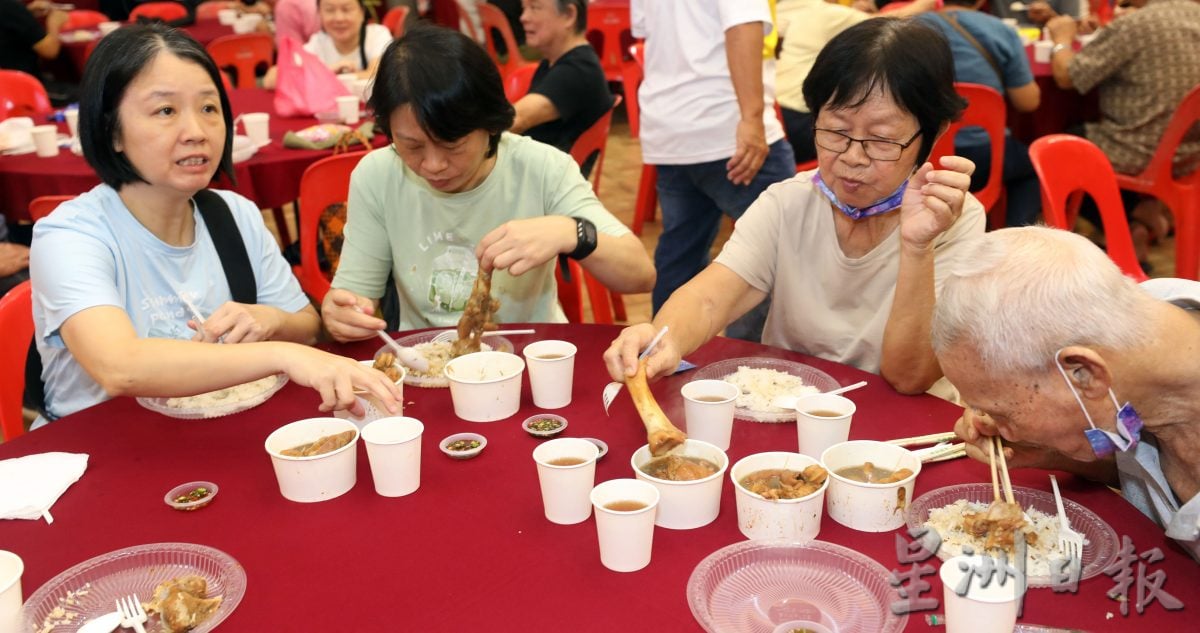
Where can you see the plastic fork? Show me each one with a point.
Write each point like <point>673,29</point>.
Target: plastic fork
<point>132,613</point>
<point>449,336</point>
<point>1069,541</point>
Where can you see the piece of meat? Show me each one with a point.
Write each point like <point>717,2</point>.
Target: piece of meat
<point>181,603</point>
<point>899,475</point>
<point>476,317</point>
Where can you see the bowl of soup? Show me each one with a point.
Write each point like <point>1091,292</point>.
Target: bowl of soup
<point>688,479</point>
<point>485,386</point>
<point>871,484</point>
<point>315,459</point>
<point>779,496</point>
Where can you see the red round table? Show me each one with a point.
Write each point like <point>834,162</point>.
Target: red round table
<point>76,46</point>
<point>1059,109</point>
<point>271,178</point>
<point>470,550</point>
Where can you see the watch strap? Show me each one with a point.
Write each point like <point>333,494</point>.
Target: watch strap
<point>585,236</point>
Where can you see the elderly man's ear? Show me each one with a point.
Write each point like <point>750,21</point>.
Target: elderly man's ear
<point>1087,371</point>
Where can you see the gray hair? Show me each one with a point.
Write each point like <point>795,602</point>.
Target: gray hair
<point>1024,293</point>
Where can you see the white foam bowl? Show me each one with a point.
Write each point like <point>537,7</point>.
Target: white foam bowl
<point>796,520</point>
<point>319,477</point>
<point>869,507</point>
<point>684,505</point>
<point>485,386</point>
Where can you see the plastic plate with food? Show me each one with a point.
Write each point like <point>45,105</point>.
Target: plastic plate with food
<point>215,404</point>
<point>944,506</point>
<point>90,589</point>
<point>438,354</point>
<point>763,379</point>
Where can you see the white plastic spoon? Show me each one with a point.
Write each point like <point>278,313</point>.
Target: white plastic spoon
<point>106,623</point>
<point>789,402</point>
<point>406,355</point>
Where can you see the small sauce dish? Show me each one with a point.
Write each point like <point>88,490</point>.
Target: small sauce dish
<point>544,425</point>
<point>600,444</point>
<point>463,445</point>
<point>191,496</point>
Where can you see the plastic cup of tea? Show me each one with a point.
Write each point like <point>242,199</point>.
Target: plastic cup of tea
<point>566,470</point>
<point>822,420</point>
<point>109,27</point>
<point>394,450</point>
<point>11,569</point>
<point>45,140</point>
<point>708,408</point>
<point>982,608</point>
<point>258,127</point>
<point>864,506</point>
<point>347,106</point>
<point>227,16</point>
<point>551,366</point>
<point>625,510</point>
<point>1042,50</point>
<point>72,117</point>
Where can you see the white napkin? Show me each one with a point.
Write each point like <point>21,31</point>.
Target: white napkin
<point>16,135</point>
<point>243,148</point>
<point>30,485</point>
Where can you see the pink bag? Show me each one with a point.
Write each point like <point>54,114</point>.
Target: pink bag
<point>304,86</point>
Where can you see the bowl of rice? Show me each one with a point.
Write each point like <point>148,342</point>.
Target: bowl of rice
<point>438,354</point>
<point>943,509</point>
<point>761,380</point>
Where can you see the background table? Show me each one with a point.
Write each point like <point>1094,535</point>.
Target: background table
<point>1059,111</point>
<point>471,550</point>
<point>75,50</point>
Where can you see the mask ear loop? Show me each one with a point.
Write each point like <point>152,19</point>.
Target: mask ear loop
<point>1058,363</point>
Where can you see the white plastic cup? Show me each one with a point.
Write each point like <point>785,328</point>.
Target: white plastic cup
<point>11,569</point>
<point>319,477</point>
<point>815,433</point>
<point>863,506</point>
<point>258,127</point>
<point>990,609</point>
<point>45,140</point>
<point>485,386</point>
<point>109,27</point>
<point>684,505</point>
<point>362,88</point>
<point>1042,50</point>
<point>566,470</point>
<point>394,451</point>
<point>247,23</point>
<point>708,408</point>
<point>348,80</point>
<point>1084,40</point>
<point>551,372</point>
<point>1010,23</point>
<point>373,409</point>
<point>347,106</point>
<point>797,520</point>
<point>626,534</point>
<point>72,117</point>
<point>226,16</point>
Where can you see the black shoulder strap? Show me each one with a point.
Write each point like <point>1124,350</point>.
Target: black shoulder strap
<point>953,21</point>
<point>230,247</point>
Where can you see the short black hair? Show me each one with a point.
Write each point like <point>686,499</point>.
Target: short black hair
<point>451,83</point>
<point>362,31</point>
<point>118,59</point>
<point>580,12</point>
<point>908,59</point>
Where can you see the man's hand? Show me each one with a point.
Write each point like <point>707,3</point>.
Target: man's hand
<point>750,154</point>
<point>13,258</point>
<point>1062,29</point>
<point>1041,12</point>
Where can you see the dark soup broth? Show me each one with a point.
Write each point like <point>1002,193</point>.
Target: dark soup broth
<point>869,473</point>
<point>679,468</point>
<point>825,413</point>
<point>566,461</point>
<point>624,506</point>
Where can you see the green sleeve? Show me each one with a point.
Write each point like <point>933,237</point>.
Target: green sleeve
<point>367,250</point>
<point>570,194</point>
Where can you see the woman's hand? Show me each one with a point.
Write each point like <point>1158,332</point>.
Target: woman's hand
<point>1041,12</point>
<point>621,357</point>
<point>349,317</point>
<point>933,200</point>
<point>337,377</point>
<point>1062,29</point>
<point>238,323</point>
<point>519,246</point>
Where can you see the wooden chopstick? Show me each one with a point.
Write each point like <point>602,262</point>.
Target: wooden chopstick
<point>933,438</point>
<point>992,462</point>
<point>1008,492</point>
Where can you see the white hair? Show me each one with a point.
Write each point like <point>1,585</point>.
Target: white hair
<point>1022,294</point>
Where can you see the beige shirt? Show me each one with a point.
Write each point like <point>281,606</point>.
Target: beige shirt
<point>824,303</point>
<point>806,26</point>
<point>1143,64</point>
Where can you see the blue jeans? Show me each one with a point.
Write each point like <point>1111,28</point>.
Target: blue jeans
<point>694,198</point>
<point>1021,185</point>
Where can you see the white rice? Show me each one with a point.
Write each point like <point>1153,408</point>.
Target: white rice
<point>226,396</point>
<point>760,386</point>
<point>437,354</point>
<point>948,521</point>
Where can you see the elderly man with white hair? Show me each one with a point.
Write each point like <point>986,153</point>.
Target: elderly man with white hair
<point>1052,348</point>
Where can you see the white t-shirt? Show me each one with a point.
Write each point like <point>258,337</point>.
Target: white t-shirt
<point>689,110</point>
<point>806,27</point>
<point>824,303</point>
<point>377,39</point>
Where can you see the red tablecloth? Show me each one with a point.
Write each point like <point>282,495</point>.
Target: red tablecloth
<point>271,178</point>
<point>471,550</point>
<point>203,31</point>
<point>1059,109</point>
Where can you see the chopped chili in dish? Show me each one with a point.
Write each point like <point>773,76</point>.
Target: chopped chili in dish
<point>545,425</point>
<point>192,495</point>
<point>462,445</point>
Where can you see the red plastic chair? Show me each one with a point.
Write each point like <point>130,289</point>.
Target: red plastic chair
<point>516,84</point>
<point>631,80</point>
<point>1181,195</point>
<point>43,206</point>
<point>609,32</point>
<point>21,94</point>
<point>165,11</point>
<point>16,321</point>
<point>83,19</point>
<point>494,21</point>
<point>986,109</point>
<point>243,53</point>
<point>394,20</point>
<point>893,6</point>
<point>325,182</point>
<point>208,10</point>
<point>591,143</point>
<point>1068,165</point>
<point>647,195</point>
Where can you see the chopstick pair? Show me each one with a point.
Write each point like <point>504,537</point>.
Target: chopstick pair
<point>999,471</point>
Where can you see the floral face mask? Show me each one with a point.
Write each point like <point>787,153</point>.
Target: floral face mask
<point>1106,443</point>
<point>890,203</point>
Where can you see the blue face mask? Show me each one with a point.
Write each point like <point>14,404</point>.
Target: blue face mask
<point>890,203</point>
<point>1106,443</point>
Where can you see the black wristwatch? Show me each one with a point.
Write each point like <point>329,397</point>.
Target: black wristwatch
<point>585,236</point>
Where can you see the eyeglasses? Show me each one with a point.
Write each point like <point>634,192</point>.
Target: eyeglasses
<point>875,149</point>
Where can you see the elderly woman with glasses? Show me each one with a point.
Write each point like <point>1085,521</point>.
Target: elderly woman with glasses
<point>852,254</point>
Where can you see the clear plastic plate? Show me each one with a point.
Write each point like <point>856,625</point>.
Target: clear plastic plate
<point>1098,551</point>
<point>91,588</point>
<point>810,375</point>
<point>490,343</point>
<point>752,586</point>
<point>234,405</point>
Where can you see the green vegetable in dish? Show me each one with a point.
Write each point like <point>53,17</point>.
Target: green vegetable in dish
<point>462,445</point>
<point>545,425</point>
